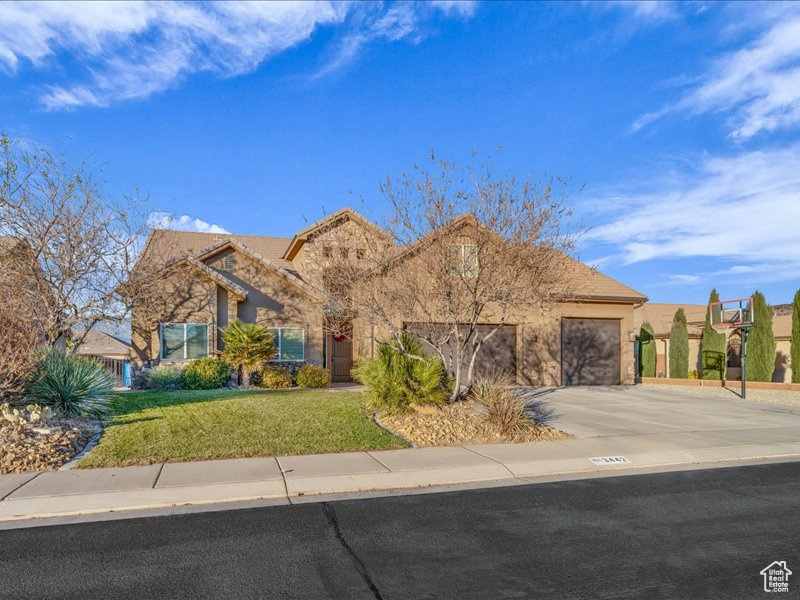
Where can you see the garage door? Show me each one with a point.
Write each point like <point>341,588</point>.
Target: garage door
<point>498,353</point>
<point>590,351</point>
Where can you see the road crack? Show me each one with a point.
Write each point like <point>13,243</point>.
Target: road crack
<point>333,519</point>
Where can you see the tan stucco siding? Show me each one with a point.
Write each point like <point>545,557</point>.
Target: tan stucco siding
<point>272,301</point>
<point>184,297</point>
<point>538,339</point>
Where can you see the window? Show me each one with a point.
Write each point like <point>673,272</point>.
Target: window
<point>464,260</point>
<point>184,341</point>
<point>229,263</point>
<point>327,252</point>
<point>289,342</point>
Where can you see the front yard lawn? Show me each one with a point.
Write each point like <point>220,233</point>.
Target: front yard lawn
<point>152,427</point>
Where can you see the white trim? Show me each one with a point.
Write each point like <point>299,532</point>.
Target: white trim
<point>161,341</point>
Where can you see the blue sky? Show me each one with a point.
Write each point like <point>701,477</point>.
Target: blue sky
<point>680,119</point>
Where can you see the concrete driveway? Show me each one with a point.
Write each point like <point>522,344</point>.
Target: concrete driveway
<point>636,410</point>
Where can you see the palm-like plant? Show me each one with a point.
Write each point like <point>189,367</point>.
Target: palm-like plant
<point>247,346</point>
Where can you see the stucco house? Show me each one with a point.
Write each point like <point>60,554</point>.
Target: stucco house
<point>660,317</point>
<point>211,279</point>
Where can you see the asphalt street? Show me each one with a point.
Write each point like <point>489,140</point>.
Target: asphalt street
<point>692,534</point>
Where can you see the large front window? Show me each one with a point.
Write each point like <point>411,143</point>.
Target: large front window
<point>184,341</point>
<point>289,343</point>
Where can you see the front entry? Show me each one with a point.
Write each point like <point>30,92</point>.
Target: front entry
<point>341,358</point>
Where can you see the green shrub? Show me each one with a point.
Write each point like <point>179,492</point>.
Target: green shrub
<point>712,347</point>
<point>647,351</point>
<point>397,378</point>
<point>505,405</point>
<point>70,384</point>
<point>760,363</point>
<point>165,378</point>
<point>273,376</point>
<point>206,374</point>
<point>679,347</point>
<point>313,376</point>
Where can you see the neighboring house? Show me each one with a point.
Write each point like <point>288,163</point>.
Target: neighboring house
<point>210,279</point>
<point>104,345</point>
<point>110,350</point>
<point>660,317</point>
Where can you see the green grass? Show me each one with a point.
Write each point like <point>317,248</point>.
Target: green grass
<point>152,427</point>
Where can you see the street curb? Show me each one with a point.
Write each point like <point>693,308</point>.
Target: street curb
<point>396,487</point>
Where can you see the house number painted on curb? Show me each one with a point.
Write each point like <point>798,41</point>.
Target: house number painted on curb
<point>609,460</point>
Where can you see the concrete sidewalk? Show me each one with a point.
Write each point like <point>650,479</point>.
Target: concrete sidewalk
<point>286,479</point>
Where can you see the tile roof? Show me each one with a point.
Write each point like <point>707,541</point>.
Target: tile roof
<point>166,244</point>
<point>99,343</point>
<point>594,285</point>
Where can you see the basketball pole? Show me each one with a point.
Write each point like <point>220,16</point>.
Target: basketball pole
<point>744,362</point>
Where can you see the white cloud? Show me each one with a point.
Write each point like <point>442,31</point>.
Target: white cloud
<point>135,49</point>
<point>744,209</point>
<point>759,85</point>
<point>463,8</point>
<point>647,11</point>
<point>164,220</point>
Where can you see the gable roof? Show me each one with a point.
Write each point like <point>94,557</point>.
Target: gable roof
<point>238,291</point>
<point>287,274</point>
<point>167,244</point>
<point>596,286</point>
<point>100,343</point>
<point>332,219</point>
<point>592,284</point>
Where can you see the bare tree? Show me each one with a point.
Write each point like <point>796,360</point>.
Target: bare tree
<point>84,245</point>
<point>467,253</point>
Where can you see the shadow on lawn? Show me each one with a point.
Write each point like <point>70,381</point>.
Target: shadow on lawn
<point>125,404</point>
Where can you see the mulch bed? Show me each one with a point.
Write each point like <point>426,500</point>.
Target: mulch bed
<point>461,423</point>
<point>24,449</point>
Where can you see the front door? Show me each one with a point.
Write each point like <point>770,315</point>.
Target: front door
<point>341,358</point>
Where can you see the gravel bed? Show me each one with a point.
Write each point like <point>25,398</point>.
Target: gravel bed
<point>41,447</point>
<point>460,423</point>
<point>785,397</point>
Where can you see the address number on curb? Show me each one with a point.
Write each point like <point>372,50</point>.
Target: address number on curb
<point>609,460</point>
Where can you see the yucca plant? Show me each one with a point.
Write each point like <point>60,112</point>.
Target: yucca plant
<point>247,346</point>
<point>70,384</point>
<point>401,375</point>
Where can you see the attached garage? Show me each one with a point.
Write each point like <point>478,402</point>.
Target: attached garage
<point>590,351</point>
<point>498,353</point>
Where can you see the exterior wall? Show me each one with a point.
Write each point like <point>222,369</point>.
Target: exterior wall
<point>272,301</point>
<point>538,339</point>
<point>310,261</point>
<point>185,297</point>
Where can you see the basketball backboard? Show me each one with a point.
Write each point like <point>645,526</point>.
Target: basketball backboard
<point>729,314</point>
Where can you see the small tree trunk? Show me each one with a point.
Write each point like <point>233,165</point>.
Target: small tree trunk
<point>245,378</point>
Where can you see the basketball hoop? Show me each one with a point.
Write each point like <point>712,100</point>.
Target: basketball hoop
<point>731,314</point>
<point>734,314</point>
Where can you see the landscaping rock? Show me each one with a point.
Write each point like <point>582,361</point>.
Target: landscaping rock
<point>461,423</point>
<point>41,448</point>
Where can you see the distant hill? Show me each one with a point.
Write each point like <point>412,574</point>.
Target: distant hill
<point>781,309</point>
